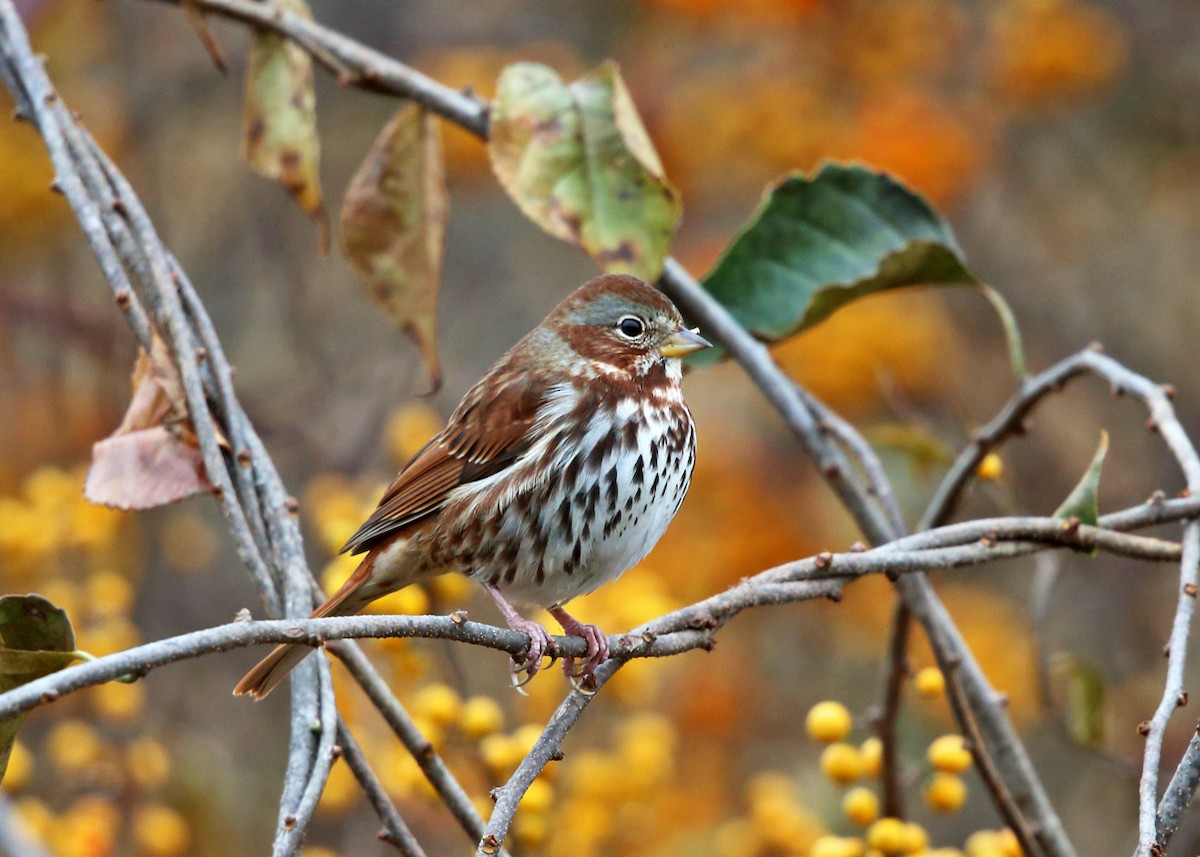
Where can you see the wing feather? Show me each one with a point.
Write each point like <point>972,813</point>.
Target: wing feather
<point>488,432</point>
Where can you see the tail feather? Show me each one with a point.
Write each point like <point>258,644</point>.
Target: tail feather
<point>274,668</point>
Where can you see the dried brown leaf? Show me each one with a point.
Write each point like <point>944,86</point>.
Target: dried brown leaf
<point>152,458</point>
<point>279,119</point>
<point>143,469</point>
<point>393,226</point>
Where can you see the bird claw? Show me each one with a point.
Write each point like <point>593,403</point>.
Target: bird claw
<point>597,647</point>
<point>540,644</point>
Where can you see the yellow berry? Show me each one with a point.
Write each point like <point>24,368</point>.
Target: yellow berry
<point>433,731</point>
<point>915,838</point>
<point>160,831</point>
<point>119,702</point>
<point>1009,845</point>
<point>439,703</point>
<point>450,588</point>
<point>538,797</point>
<point>836,846</point>
<point>481,716</point>
<point>889,835</point>
<point>409,428</point>
<point>501,753</point>
<point>20,768</point>
<point>526,736</point>
<point>983,843</point>
<point>949,754</point>
<point>930,682</point>
<point>73,746</point>
<point>871,753</point>
<point>531,830</point>
<point>828,721</point>
<point>87,828</point>
<point>946,792</point>
<point>409,601</point>
<point>990,468</point>
<point>35,816</point>
<point>841,763</point>
<point>148,762</point>
<point>317,851</point>
<point>340,791</point>
<point>109,592</point>
<point>861,806</point>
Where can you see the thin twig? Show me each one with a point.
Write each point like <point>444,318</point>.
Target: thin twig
<point>452,794</point>
<point>395,831</point>
<point>367,68</point>
<point>896,671</point>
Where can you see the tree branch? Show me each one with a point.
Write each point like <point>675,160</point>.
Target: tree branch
<point>124,242</point>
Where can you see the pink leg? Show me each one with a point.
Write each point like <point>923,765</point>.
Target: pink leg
<point>540,641</point>
<point>597,643</point>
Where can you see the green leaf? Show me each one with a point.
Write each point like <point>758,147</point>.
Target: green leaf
<point>816,244</point>
<point>578,162</point>
<point>1082,504</point>
<point>393,226</point>
<point>924,450</point>
<point>1084,686</point>
<point>279,117</point>
<point>35,640</point>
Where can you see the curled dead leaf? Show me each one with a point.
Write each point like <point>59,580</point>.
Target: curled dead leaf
<point>393,226</point>
<point>153,457</point>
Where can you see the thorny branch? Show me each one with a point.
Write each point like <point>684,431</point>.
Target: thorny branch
<point>144,278</point>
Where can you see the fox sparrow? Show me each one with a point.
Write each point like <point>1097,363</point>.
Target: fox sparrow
<point>558,470</point>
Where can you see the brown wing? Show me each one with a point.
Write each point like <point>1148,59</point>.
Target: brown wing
<point>487,433</point>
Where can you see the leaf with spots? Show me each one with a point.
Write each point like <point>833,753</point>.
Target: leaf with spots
<point>279,117</point>
<point>577,160</point>
<point>1082,504</point>
<point>36,639</point>
<point>393,226</point>
<point>817,243</point>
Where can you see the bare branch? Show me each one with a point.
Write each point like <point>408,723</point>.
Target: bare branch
<point>395,831</point>
<point>153,292</point>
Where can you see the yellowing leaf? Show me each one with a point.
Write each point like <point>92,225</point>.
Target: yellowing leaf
<point>578,161</point>
<point>35,640</point>
<point>279,118</point>
<point>152,458</point>
<point>393,226</point>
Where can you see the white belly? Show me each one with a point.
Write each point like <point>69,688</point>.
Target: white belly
<point>615,509</point>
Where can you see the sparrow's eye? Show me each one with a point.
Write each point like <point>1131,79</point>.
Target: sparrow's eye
<point>631,327</point>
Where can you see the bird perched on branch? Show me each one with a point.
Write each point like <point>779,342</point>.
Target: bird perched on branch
<point>558,471</point>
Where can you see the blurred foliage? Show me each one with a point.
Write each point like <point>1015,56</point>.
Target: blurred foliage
<point>934,91</point>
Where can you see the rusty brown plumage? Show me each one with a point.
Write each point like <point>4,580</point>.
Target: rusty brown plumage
<point>558,471</point>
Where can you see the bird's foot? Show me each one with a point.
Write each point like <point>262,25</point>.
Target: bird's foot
<point>597,646</point>
<point>540,641</point>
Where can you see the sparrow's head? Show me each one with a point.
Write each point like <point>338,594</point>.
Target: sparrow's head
<point>621,322</point>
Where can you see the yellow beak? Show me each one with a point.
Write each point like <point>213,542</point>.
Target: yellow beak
<point>683,342</point>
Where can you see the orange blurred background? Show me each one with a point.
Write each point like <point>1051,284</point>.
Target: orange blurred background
<point>1060,139</point>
